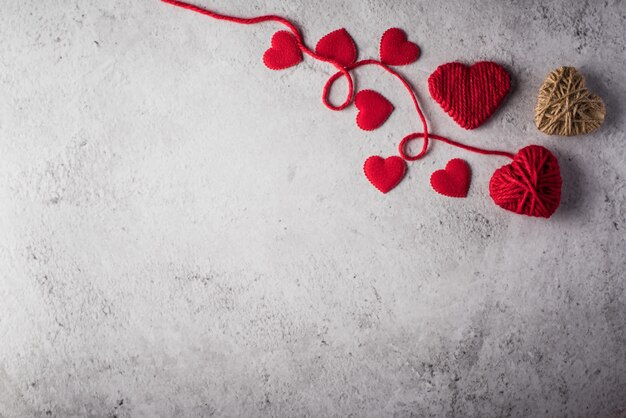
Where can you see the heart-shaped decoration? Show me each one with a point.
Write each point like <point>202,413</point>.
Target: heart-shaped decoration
<point>283,53</point>
<point>339,46</point>
<point>374,109</point>
<point>395,49</point>
<point>530,185</point>
<point>469,94</point>
<point>454,180</point>
<point>384,173</point>
<point>566,107</point>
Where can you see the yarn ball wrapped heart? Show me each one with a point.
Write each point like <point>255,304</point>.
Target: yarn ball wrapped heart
<point>565,106</point>
<point>469,94</point>
<point>530,185</point>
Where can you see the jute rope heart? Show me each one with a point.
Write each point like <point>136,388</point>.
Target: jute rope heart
<point>566,107</point>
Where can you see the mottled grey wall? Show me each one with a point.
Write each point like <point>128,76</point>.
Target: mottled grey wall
<point>186,233</point>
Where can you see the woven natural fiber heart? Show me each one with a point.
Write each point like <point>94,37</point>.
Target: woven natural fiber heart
<point>566,107</point>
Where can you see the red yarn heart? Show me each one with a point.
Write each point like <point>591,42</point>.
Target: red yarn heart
<point>396,50</point>
<point>530,185</point>
<point>384,173</point>
<point>284,52</point>
<point>374,109</point>
<point>454,180</point>
<point>339,46</point>
<point>470,95</point>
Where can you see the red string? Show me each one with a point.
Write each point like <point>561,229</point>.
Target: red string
<point>345,72</point>
<point>283,21</point>
<point>406,139</point>
<point>407,86</point>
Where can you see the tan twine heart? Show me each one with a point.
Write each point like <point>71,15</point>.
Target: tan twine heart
<point>566,107</point>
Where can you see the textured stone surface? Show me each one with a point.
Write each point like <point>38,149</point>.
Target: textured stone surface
<point>185,233</point>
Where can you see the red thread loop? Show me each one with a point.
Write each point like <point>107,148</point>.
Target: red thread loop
<point>406,139</point>
<point>405,84</point>
<point>329,85</point>
<point>426,136</point>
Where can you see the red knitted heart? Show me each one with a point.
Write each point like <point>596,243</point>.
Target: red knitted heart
<point>530,185</point>
<point>284,52</point>
<point>384,173</point>
<point>374,109</point>
<point>396,50</point>
<point>454,180</point>
<point>470,95</point>
<point>339,46</point>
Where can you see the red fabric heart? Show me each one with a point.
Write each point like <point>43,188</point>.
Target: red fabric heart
<point>470,95</point>
<point>284,52</point>
<point>384,173</point>
<point>396,50</point>
<point>339,46</point>
<point>374,109</point>
<point>530,185</point>
<point>454,180</point>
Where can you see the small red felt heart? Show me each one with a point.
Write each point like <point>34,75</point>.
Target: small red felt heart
<point>454,180</point>
<point>374,109</point>
<point>384,173</point>
<point>530,185</point>
<point>396,50</point>
<point>470,95</point>
<point>339,46</point>
<point>284,52</point>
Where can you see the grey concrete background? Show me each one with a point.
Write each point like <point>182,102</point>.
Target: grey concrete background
<point>186,233</point>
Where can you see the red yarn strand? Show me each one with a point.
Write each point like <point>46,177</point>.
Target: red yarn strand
<point>415,135</point>
<point>405,83</point>
<point>345,72</point>
<point>283,21</point>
